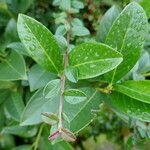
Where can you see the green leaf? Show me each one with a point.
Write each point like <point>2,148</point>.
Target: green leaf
<point>129,106</point>
<point>79,31</point>
<point>61,30</point>
<point>71,74</point>
<point>139,90</point>
<point>76,22</point>
<point>77,4</point>
<point>146,5</point>
<point>19,47</point>
<point>106,23</point>
<point>35,106</point>
<point>20,131</point>
<point>65,4</point>
<point>76,113</point>
<point>127,35</point>
<point>13,68</point>
<point>93,59</point>
<point>38,77</point>
<point>11,31</point>
<point>15,105</point>
<point>40,43</point>
<point>4,94</point>
<point>74,96</point>
<point>52,89</point>
<point>7,85</point>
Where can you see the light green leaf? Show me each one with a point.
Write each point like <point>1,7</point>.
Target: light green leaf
<point>83,110</point>
<point>61,30</point>
<point>40,43</point>
<point>130,24</point>
<point>15,105</point>
<point>3,95</point>
<point>76,22</point>
<point>77,4</point>
<point>52,89</point>
<point>71,74</point>
<point>146,5</point>
<point>139,90</point>
<point>92,59</point>
<point>106,22</point>
<point>39,77</point>
<point>65,4</point>
<point>129,106</point>
<point>79,31</point>
<point>13,68</point>
<point>74,96</point>
<point>35,106</point>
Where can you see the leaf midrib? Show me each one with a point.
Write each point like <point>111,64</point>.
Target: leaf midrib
<point>95,61</point>
<point>42,48</point>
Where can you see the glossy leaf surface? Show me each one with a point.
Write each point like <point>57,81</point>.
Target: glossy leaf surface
<point>139,90</point>
<point>130,24</point>
<point>40,43</point>
<point>130,107</point>
<point>93,59</point>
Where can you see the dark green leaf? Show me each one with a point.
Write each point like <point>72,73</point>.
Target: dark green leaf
<point>130,24</point>
<point>106,22</point>
<point>139,90</point>
<point>93,59</point>
<point>130,107</point>
<point>74,113</point>
<point>40,43</point>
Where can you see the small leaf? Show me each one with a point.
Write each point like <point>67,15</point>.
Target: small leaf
<point>77,4</point>
<point>74,96</point>
<point>106,22</point>
<point>67,135</point>
<point>71,74</point>
<point>40,43</point>
<point>65,4</point>
<point>13,67</point>
<point>139,90</point>
<point>79,31</point>
<point>61,30</point>
<point>92,59</point>
<point>130,24</point>
<point>49,118</point>
<point>52,88</point>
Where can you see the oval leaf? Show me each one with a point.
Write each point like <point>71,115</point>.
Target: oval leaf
<point>52,89</point>
<point>13,68</point>
<point>92,59</point>
<point>130,107</point>
<point>139,90</point>
<point>40,43</point>
<point>74,96</point>
<point>130,24</point>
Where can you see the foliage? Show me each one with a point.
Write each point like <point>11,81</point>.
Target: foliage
<point>74,70</point>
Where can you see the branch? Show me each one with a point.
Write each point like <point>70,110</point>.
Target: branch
<point>63,78</point>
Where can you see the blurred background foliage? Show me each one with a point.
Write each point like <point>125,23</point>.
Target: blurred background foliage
<point>107,131</point>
